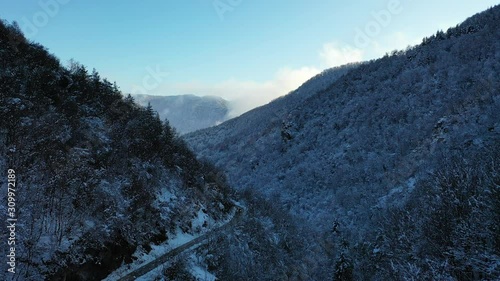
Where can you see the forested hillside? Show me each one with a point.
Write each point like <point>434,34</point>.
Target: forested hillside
<point>98,178</point>
<point>392,165</point>
<point>383,170</point>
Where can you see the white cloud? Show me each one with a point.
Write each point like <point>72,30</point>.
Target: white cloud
<point>243,95</point>
<point>336,54</point>
<point>288,79</point>
<point>391,42</point>
<point>246,95</point>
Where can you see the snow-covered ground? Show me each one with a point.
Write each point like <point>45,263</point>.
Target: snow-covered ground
<point>202,223</point>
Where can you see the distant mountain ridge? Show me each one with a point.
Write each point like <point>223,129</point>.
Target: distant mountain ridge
<point>188,113</point>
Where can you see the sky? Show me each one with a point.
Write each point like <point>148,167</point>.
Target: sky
<point>246,51</point>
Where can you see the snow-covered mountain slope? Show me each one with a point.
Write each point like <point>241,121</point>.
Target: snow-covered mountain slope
<point>355,147</point>
<point>188,113</point>
<point>95,180</point>
<point>382,121</point>
<point>259,119</point>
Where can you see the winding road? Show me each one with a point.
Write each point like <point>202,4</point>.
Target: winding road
<point>198,241</point>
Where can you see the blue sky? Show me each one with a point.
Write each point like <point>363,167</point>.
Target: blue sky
<point>248,50</point>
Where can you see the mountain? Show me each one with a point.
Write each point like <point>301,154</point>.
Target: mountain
<point>384,170</point>
<point>91,181</point>
<point>188,113</point>
<point>390,165</point>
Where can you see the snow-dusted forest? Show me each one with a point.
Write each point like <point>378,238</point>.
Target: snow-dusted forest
<point>391,165</point>
<point>382,170</point>
<point>101,181</point>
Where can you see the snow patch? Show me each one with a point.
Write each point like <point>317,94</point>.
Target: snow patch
<point>202,274</point>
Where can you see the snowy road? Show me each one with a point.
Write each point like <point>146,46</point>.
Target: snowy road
<point>193,244</point>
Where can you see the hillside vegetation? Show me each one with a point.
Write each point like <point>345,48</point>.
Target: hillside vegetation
<point>392,165</point>
<point>98,177</point>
